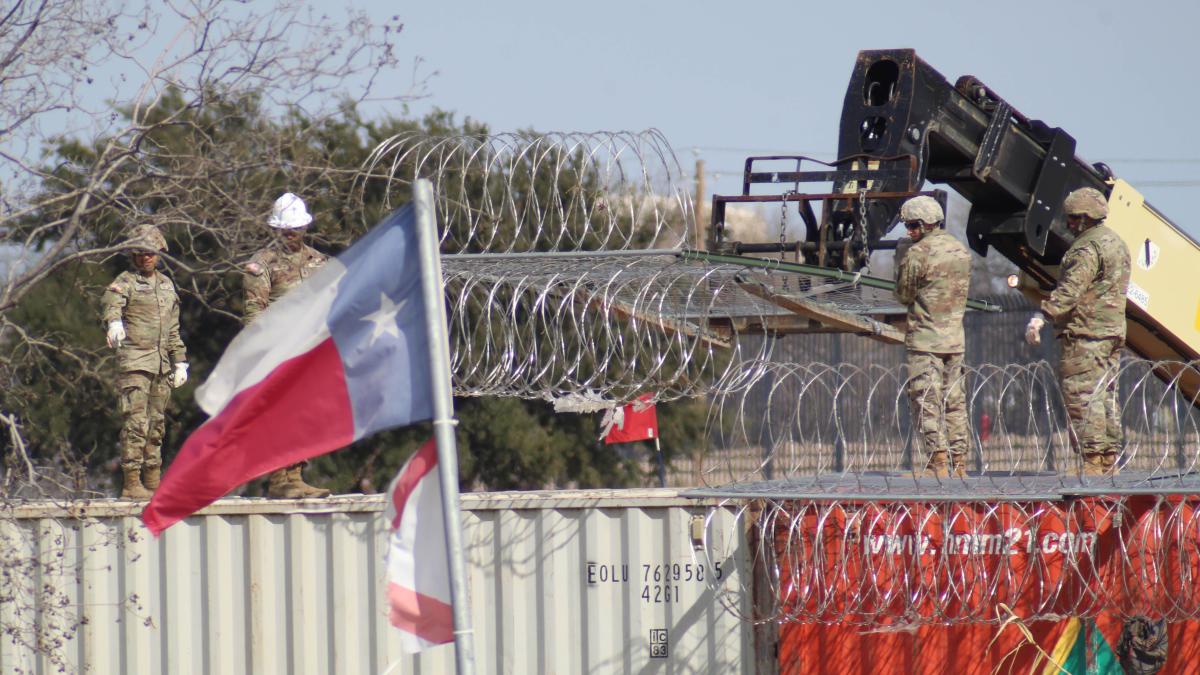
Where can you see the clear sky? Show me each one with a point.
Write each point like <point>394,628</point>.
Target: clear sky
<point>732,79</point>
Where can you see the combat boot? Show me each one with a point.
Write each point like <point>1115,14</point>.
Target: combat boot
<point>1093,465</point>
<point>937,467</point>
<point>298,481</point>
<point>151,476</point>
<point>1110,464</point>
<point>958,466</point>
<point>133,486</point>
<point>281,486</point>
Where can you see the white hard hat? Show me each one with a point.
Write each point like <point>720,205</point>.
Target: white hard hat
<point>289,213</point>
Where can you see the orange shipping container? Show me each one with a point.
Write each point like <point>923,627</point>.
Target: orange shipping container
<point>923,587</point>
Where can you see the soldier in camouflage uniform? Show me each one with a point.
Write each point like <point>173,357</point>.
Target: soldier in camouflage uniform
<point>271,273</point>
<point>932,274</point>
<point>141,312</point>
<point>1087,310</point>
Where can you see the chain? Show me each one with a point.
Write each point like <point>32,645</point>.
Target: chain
<point>783,215</point>
<point>862,210</point>
<point>856,229</point>
<point>862,224</point>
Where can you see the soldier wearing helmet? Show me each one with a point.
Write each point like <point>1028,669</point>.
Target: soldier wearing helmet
<point>141,313</point>
<point>933,272</point>
<point>1087,309</point>
<point>272,272</point>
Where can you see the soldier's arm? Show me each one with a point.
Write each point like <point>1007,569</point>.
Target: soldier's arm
<point>174,342</point>
<point>256,286</point>
<point>1078,271</point>
<point>908,277</point>
<point>903,244</point>
<point>114,300</point>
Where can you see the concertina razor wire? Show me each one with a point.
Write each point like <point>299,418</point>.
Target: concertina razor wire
<point>522,192</point>
<point>565,279</point>
<point>884,562</point>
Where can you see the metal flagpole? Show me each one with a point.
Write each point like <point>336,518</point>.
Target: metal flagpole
<point>443,420</point>
<point>662,465</point>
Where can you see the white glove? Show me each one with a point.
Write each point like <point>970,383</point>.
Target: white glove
<point>1033,331</point>
<point>179,376</point>
<point>116,333</point>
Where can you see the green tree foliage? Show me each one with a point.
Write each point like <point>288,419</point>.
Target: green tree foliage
<point>207,178</point>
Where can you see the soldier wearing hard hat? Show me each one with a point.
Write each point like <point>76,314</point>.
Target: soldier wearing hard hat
<point>933,272</point>
<point>1087,309</point>
<point>272,272</point>
<point>141,314</point>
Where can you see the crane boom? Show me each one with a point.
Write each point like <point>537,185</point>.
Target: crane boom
<point>1015,172</point>
<point>903,124</point>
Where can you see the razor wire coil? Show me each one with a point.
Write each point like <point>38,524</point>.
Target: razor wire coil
<point>564,279</point>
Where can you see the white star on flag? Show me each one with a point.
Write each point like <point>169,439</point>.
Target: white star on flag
<point>384,318</point>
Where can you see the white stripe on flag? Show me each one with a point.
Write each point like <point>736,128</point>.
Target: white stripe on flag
<point>417,561</point>
<point>291,326</point>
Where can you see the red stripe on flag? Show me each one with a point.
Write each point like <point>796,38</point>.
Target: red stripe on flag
<point>299,411</point>
<point>428,618</point>
<point>418,466</point>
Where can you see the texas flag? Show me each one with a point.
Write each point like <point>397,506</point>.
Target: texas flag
<point>419,601</point>
<point>343,355</point>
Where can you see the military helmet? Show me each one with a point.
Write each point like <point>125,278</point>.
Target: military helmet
<point>1086,201</point>
<point>147,237</point>
<point>923,209</point>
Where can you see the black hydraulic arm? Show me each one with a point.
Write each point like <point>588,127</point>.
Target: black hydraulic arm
<point>1014,171</point>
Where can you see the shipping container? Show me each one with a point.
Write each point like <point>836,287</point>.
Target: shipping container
<point>560,582</point>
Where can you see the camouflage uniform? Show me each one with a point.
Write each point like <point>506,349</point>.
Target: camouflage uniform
<point>270,274</point>
<point>1088,312</point>
<point>274,271</point>
<point>148,306</point>
<point>931,280</point>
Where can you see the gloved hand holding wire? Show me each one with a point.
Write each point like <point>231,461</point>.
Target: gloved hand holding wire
<point>116,334</point>
<point>1033,331</point>
<point>178,376</point>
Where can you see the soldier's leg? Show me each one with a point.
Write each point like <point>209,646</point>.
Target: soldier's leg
<point>956,411</point>
<point>134,401</point>
<point>1082,373</point>
<point>156,423</point>
<point>135,394</point>
<point>925,395</point>
<point>1114,436</point>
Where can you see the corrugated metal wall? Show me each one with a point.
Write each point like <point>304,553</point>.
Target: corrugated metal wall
<point>561,582</point>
